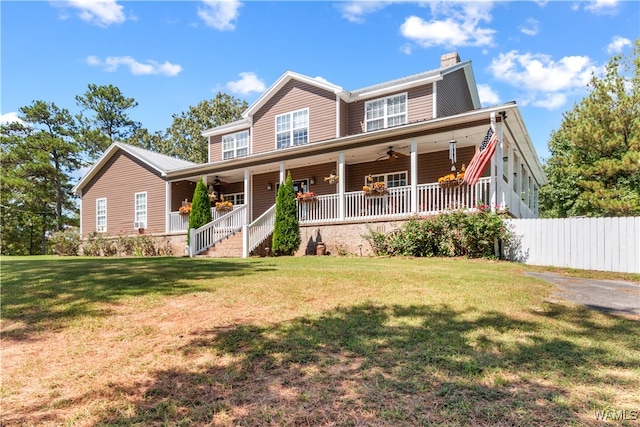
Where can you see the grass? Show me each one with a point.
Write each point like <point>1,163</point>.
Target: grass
<point>304,341</point>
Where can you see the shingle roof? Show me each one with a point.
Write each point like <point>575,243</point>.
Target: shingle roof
<point>159,161</point>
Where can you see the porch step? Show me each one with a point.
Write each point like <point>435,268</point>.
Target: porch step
<point>230,247</point>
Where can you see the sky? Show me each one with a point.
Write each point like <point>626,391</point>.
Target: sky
<point>170,55</point>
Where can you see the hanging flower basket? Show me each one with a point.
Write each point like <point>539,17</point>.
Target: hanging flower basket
<point>224,207</point>
<point>308,197</point>
<point>185,210</point>
<point>375,189</point>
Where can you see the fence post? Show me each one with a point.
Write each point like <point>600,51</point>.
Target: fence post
<point>245,241</point>
<point>192,242</point>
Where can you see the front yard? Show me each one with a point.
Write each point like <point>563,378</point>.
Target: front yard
<point>305,341</point>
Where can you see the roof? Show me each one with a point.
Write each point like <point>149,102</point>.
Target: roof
<point>379,89</point>
<point>160,162</point>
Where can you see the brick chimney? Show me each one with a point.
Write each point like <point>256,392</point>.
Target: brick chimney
<point>449,59</point>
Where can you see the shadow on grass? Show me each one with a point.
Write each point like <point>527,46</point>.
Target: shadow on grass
<point>391,365</point>
<point>48,293</point>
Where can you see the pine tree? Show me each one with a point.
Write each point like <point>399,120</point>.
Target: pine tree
<point>200,208</point>
<point>594,169</point>
<point>286,231</point>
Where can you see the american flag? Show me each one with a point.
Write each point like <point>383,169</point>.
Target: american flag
<point>482,157</point>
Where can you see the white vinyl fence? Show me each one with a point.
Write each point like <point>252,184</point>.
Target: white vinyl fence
<point>606,244</point>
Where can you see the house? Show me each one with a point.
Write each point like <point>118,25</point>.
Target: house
<point>401,135</point>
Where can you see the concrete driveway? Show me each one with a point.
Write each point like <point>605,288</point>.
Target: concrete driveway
<point>610,296</point>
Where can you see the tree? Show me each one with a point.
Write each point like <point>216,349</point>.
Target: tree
<point>286,231</point>
<point>110,121</point>
<point>37,161</point>
<point>594,169</point>
<point>184,136</point>
<point>200,208</point>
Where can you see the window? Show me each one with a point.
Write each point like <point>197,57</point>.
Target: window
<point>235,198</point>
<point>292,129</point>
<point>386,112</point>
<point>101,215</point>
<point>140,219</point>
<point>235,145</point>
<point>391,180</point>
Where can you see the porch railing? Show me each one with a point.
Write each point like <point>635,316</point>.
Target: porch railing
<point>180,223</point>
<point>257,232</point>
<point>432,198</point>
<point>209,234</point>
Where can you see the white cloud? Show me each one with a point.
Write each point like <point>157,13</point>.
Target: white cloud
<point>530,27</point>
<point>354,11</point>
<point>11,117</point>
<point>459,25</point>
<point>112,63</point>
<point>602,6</point>
<point>97,12</point>
<point>248,83</point>
<point>220,14</point>
<point>487,95</point>
<point>545,82</point>
<point>617,44</point>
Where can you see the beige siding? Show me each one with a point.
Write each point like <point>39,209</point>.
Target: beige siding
<point>215,148</point>
<point>120,178</point>
<point>263,199</point>
<point>358,172</point>
<point>292,97</point>
<point>453,94</point>
<point>344,118</point>
<point>181,191</point>
<point>432,166</point>
<point>419,107</point>
<point>318,172</point>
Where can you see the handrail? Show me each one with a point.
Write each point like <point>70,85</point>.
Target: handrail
<point>201,239</point>
<point>180,223</point>
<point>258,231</point>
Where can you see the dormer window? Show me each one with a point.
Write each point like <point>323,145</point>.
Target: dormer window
<point>386,112</point>
<point>235,145</point>
<point>292,128</point>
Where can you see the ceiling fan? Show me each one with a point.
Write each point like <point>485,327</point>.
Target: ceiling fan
<point>217,183</point>
<point>391,155</point>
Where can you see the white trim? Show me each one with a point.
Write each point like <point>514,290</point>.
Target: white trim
<point>81,211</point>
<point>167,207</point>
<point>337,116</point>
<point>401,86</point>
<point>283,80</point>
<point>135,210</point>
<point>234,150</point>
<point>228,128</point>
<point>414,176</point>
<point>434,97</point>
<point>385,175</point>
<point>385,117</point>
<point>292,128</point>
<point>98,216</point>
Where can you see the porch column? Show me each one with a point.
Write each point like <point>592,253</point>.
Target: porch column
<point>282,173</point>
<point>414,176</point>
<point>493,187</point>
<point>248,202</point>
<point>167,195</point>
<point>500,164</point>
<point>341,184</point>
<point>510,176</point>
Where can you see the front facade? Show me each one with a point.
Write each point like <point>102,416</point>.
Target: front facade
<point>400,136</point>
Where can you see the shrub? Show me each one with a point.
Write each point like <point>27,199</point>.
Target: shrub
<point>66,242</point>
<point>286,231</point>
<point>200,208</point>
<point>457,233</point>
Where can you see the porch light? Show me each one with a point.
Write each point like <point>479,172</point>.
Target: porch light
<point>312,180</point>
<point>269,186</point>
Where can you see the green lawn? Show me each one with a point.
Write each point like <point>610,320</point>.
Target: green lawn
<point>305,341</point>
